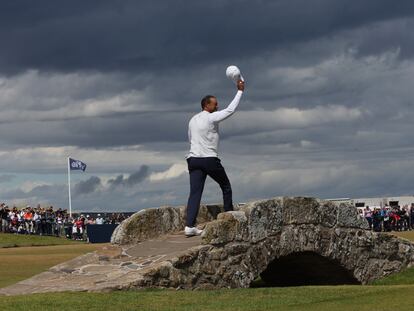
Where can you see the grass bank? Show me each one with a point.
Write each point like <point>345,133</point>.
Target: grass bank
<point>321,298</point>
<point>18,240</point>
<point>19,263</point>
<point>409,235</point>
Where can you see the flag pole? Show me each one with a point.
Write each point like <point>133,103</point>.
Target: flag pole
<point>70,200</point>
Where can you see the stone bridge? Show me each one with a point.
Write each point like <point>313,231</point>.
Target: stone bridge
<point>285,241</point>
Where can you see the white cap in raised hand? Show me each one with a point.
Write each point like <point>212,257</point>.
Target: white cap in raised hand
<point>233,73</point>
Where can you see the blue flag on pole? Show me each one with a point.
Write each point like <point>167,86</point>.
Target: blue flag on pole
<point>76,165</point>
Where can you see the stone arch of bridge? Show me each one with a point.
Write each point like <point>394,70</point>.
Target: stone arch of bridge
<point>306,268</point>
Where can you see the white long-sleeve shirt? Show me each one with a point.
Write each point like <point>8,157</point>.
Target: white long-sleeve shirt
<point>203,130</point>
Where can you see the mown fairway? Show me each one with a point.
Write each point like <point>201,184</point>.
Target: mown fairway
<point>393,293</point>
<point>19,262</point>
<point>328,298</point>
<point>409,235</point>
<point>16,240</point>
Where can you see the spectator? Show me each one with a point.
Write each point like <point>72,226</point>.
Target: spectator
<point>4,214</point>
<point>59,224</point>
<point>368,216</point>
<point>99,220</point>
<point>78,228</point>
<point>412,216</point>
<point>90,220</point>
<point>28,220</point>
<point>47,221</point>
<point>377,220</point>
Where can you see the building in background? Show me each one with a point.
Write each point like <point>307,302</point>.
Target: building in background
<point>378,202</point>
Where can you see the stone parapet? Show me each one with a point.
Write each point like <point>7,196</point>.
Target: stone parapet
<point>153,222</point>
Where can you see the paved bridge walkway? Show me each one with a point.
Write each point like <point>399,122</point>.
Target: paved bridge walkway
<point>111,268</point>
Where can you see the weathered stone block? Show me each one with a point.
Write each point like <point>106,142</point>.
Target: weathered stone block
<point>153,222</point>
<point>237,248</point>
<point>328,213</point>
<point>148,223</point>
<point>209,212</point>
<point>348,216</point>
<point>264,218</point>
<point>229,226</point>
<point>300,210</point>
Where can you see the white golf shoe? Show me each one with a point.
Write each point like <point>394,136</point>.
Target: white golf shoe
<point>192,231</point>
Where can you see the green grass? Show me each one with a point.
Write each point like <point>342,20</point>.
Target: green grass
<point>394,292</point>
<point>19,263</point>
<point>409,235</point>
<point>405,277</point>
<point>322,298</point>
<point>16,240</point>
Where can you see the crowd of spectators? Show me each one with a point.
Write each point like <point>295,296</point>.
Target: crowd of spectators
<point>389,218</point>
<point>49,221</point>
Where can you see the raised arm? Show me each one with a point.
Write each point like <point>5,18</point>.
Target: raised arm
<point>221,115</point>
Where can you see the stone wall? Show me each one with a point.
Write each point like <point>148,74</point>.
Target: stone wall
<point>238,246</point>
<point>153,222</point>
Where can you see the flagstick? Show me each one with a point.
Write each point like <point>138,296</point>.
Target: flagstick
<point>70,200</point>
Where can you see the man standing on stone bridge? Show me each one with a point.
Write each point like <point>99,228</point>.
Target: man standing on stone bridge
<point>202,160</point>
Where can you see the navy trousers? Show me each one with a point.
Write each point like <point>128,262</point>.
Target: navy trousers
<point>199,168</point>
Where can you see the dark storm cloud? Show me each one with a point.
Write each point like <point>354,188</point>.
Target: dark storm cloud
<point>148,36</point>
<point>87,186</point>
<point>92,184</point>
<point>45,191</point>
<point>99,132</point>
<point>385,36</point>
<point>138,176</point>
<point>327,109</point>
<point>117,181</point>
<point>133,179</point>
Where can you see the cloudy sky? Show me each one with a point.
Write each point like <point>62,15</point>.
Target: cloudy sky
<point>327,112</point>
